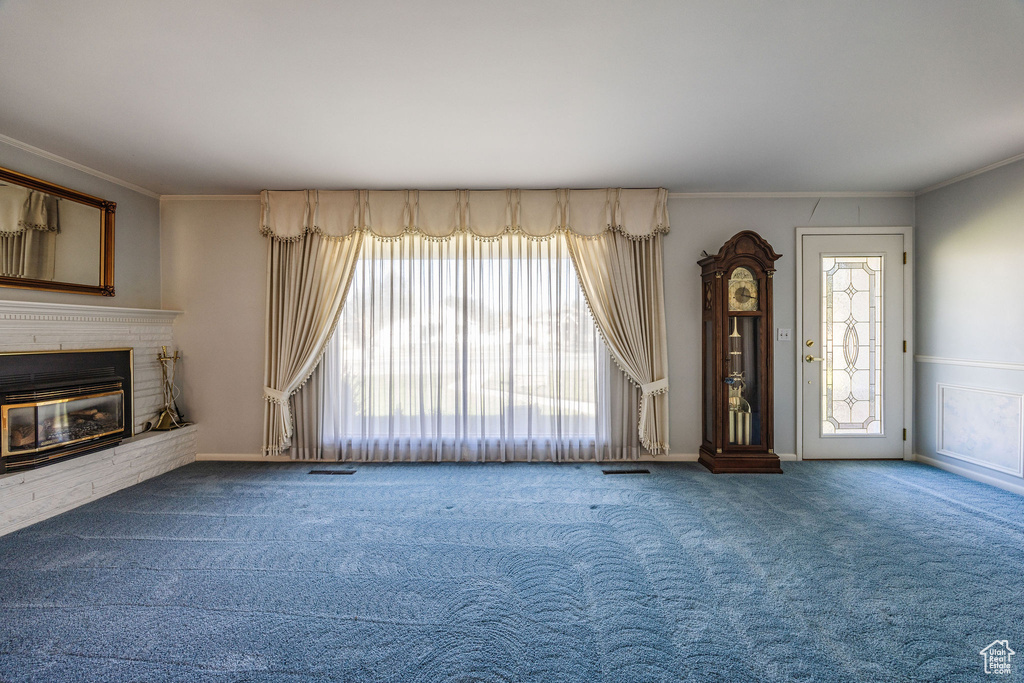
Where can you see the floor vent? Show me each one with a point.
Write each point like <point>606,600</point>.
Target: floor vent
<point>626,471</point>
<point>332,471</point>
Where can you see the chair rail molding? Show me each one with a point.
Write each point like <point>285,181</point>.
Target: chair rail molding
<point>967,362</point>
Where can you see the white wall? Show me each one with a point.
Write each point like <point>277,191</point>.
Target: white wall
<point>970,324</point>
<point>214,268</point>
<point>136,235</point>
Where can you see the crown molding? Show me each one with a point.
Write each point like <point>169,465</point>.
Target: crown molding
<point>790,195</point>
<point>24,146</point>
<point>209,197</point>
<point>970,174</point>
<point>671,195</point>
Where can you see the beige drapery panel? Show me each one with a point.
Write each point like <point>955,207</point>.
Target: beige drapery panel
<point>306,284</point>
<point>622,280</point>
<point>29,224</point>
<point>614,235</point>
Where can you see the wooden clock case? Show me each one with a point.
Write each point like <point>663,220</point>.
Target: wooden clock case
<point>734,439</point>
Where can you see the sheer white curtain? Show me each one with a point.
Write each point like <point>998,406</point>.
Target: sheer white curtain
<point>469,349</point>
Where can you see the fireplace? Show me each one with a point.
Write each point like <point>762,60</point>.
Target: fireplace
<point>59,405</point>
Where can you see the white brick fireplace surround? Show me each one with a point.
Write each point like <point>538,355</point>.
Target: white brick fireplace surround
<point>29,496</point>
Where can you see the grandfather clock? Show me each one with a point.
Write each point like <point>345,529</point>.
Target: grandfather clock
<point>736,286</point>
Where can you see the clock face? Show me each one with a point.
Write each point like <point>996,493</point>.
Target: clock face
<point>743,294</point>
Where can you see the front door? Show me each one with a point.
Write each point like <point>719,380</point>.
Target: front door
<point>852,346</point>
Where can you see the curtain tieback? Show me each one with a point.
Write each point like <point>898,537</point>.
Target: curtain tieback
<point>647,391</point>
<point>281,399</point>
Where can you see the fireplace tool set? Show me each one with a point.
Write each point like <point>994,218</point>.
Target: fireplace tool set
<point>170,418</point>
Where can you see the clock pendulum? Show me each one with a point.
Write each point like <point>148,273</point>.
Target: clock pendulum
<point>739,408</point>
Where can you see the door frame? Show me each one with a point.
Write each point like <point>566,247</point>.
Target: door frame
<point>908,325</point>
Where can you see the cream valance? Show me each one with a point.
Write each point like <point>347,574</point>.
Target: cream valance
<point>388,214</point>
<point>23,209</point>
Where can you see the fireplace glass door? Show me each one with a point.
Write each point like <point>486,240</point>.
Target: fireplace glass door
<point>42,425</point>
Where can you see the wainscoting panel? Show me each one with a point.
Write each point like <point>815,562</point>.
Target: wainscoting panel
<point>968,418</point>
<point>981,426</point>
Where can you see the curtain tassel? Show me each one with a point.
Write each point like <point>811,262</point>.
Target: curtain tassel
<point>281,399</point>
<point>647,391</point>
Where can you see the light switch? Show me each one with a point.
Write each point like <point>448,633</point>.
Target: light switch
<point>784,334</point>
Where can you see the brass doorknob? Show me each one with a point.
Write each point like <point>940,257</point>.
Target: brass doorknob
<point>810,359</point>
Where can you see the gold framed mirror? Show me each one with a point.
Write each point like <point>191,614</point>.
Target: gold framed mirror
<point>53,238</point>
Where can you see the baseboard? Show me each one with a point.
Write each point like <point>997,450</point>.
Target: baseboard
<point>668,457</point>
<point>240,457</point>
<point>256,457</point>
<point>970,474</point>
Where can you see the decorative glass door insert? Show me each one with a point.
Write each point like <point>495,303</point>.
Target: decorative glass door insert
<point>851,336</point>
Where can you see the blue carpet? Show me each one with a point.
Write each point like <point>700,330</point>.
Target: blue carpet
<point>241,572</point>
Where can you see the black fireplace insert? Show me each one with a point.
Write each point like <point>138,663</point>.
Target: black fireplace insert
<point>59,405</point>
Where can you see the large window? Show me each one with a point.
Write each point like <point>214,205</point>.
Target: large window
<point>466,349</point>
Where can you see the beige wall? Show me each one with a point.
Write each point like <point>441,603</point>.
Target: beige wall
<point>214,261</point>
<point>213,265</point>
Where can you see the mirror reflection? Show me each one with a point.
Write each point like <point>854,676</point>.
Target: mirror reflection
<point>54,238</point>
<point>44,237</point>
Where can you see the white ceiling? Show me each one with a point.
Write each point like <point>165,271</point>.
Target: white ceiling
<point>231,96</point>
